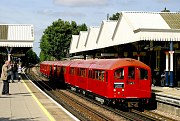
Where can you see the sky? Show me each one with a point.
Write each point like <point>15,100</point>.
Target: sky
<point>41,13</point>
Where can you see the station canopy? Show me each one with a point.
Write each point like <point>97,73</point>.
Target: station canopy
<point>16,35</point>
<point>132,26</point>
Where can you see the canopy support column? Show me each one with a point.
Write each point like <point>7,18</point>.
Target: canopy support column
<point>167,69</point>
<point>9,49</point>
<point>171,64</point>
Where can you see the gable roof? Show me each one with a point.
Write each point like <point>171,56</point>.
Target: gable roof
<point>73,44</point>
<point>149,26</point>
<point>16,35</point>
<point>134,26</point>
<point>106,31</point>
<point>91,39</point>
<point>81,41</point>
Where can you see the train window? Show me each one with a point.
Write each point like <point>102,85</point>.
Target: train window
<point>50,70</point>
<point>102,75</point>
<point>54,67</point>
<point>90,74</point>
<point>106,76</point>
<point>118,85</point>
<point>93,74</point>
<point>72,71</point>
<point>82,72</point>
<point>58,70</point>
<point>63,69</point>
<point>131,73</point>
<point>98,75</point>
<point>143,74</point>
<point>119,73</point>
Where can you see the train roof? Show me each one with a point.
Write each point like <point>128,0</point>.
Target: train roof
<point>109,64</point>
<point>103,64</point>
<point>49,62</point>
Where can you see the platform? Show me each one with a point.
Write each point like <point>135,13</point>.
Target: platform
<point>173,92</point>
<point>20,105</point>
<point>23,104</point>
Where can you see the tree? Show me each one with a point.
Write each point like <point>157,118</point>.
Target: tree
<point>31,57</point>
<point>55,41</point>
<point>114,16</point>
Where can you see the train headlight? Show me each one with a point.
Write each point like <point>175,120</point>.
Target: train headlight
<point>114,90</point>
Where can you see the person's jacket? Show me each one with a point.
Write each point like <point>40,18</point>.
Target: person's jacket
<point>4,73</point>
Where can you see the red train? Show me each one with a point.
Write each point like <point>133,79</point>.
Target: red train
<point>123,82</point>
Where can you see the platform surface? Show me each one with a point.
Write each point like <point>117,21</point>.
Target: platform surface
<point>23,105</point>
<point>20,105</point>
<point>167,91</point>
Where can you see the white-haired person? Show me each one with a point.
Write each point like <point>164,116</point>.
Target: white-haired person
<point>4,76</point>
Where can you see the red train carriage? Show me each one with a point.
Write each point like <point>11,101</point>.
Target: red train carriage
<point>115,81</point>
<point>45,68</point>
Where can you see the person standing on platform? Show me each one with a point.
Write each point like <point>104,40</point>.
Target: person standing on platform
<point>15,69</point>
<point>4,76</point>
<point>11,72</point>
<point>19,73</point>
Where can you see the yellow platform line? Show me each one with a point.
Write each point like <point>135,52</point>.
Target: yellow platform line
<point>50,117</point>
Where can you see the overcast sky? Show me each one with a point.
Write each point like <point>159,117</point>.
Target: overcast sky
<point>41,13</point>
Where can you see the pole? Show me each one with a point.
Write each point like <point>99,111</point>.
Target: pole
<point>171,64</point>
<point>167,69</point>
<point>9,52</point>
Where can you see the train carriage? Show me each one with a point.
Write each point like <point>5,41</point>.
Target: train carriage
<point>79,73</point>
<point>116,81</point>
<point>45,68</point>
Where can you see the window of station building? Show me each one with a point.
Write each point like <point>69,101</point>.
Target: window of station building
<point>131,72</point>
<point>143,74</point>
<point>119,73</point>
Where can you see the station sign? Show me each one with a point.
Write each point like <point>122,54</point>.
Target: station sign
<point>18,55</point>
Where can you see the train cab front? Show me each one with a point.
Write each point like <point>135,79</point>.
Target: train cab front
<point>132,86</point>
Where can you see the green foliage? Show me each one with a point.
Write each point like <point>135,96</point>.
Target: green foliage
<point>55,41</point>
<point>31,57</point>
<point>114,17</point>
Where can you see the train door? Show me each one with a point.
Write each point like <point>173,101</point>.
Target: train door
<point>144,79</point>
<point>72,76</point>
<point>131,83</point>
<point>58,72</point>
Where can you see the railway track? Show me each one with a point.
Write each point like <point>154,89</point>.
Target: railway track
<point>80,110</point>
<point>85,112</point>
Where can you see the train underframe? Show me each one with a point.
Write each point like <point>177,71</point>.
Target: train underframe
<point>119,103</point>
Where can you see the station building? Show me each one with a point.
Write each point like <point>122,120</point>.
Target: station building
<point>15,41</point>
<point>151,37</point>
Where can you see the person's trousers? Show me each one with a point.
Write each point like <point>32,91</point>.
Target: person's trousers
<point>5,87</point>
